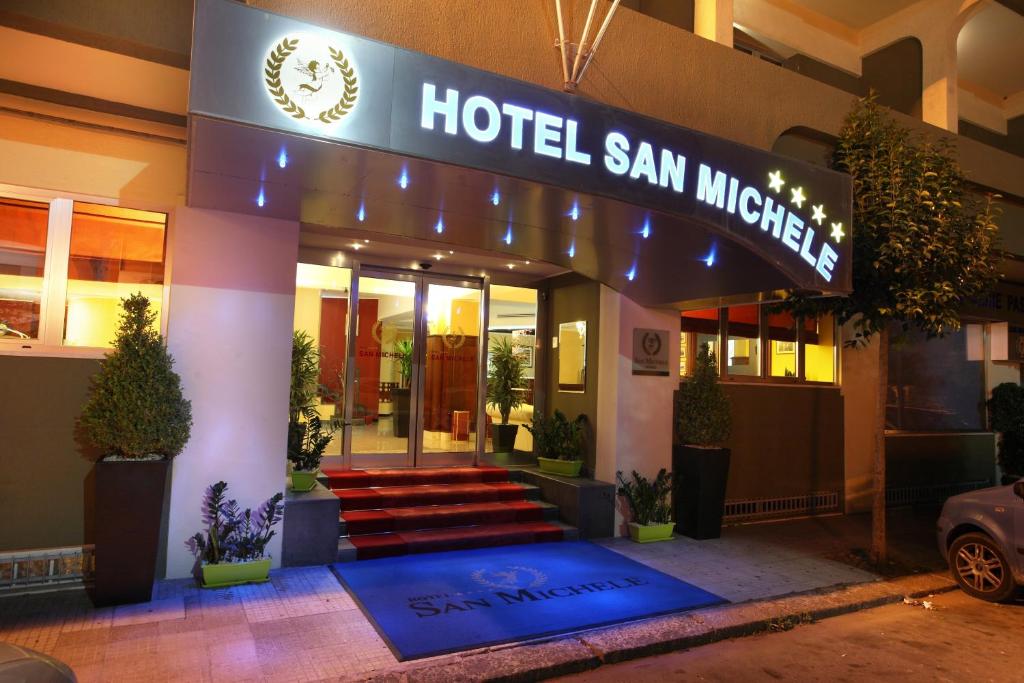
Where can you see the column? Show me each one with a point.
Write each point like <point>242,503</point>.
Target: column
<point>634,412</point>
<point>232,297</point>
<point>712,19</point>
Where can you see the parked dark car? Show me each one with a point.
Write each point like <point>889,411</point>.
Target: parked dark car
<point>981,535</point>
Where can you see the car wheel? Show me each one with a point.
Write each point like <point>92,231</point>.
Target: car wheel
<point>980,568</point>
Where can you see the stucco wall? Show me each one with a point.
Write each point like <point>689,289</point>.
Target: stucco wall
<point>46,476</point>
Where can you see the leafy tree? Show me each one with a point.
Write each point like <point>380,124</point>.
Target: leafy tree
<point>704,418</point>
<point>923,246</point>
<point>135,406</point>
<point>504,376</point>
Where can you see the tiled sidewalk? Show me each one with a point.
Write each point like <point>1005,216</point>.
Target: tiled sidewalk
<point>302,626</point>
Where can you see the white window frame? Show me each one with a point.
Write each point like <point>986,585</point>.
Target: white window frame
<point>55,272</point>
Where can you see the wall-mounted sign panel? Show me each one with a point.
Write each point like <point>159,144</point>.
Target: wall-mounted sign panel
<point>278,73</point>
<point>650,352</point>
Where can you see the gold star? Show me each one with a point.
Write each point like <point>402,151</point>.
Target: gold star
<point>775,181</point>
<point>837,232</point>
<point>819,213</point>
<point>797,197</point>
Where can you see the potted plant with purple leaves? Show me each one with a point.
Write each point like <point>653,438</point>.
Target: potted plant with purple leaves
<point>233,548</point>
<point>648,506</point>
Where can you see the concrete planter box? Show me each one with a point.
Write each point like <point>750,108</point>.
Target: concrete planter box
<point>563,468</point>
<point>651,533</point>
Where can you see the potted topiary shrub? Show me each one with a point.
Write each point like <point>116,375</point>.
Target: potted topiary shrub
<point>232,549</point>
<point>559,443</point>
<point>308,437</point>
<point>504,377</point>
<point>138,420</point>
<point>700,464</point>
<point>648,506</point>
<point>1006,416</point>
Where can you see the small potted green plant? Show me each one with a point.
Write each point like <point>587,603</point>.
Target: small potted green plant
<point>232,549</point>
<point>308,437</point>
<point>559,443</point>
<point>648,506</point>
<point>504,378</point>
<point>138,420</point>
<point>700,463</point>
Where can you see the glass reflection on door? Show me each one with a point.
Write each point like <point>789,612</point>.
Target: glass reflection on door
<point>383,373</point>
<point>451,375</point>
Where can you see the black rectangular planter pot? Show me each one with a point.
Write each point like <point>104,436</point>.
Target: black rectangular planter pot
<point>129,506</point>
<point>700,476</point>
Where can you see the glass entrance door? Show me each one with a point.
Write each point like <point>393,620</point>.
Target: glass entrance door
<point>414,390</point>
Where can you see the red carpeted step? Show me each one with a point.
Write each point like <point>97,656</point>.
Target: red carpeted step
<point>412,496</point>
<point>437,540</point>
<point>440,516</point>
<point>356,479</point>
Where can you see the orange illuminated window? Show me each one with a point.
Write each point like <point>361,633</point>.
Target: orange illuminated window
<point>22,259</point>
<point>697,328</point>
<point>115,252</point>
<point>743,353</point>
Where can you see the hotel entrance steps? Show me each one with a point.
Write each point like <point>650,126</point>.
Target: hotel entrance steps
<point>385,513</point>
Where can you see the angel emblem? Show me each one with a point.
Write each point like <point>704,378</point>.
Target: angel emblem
<point>317,72</point>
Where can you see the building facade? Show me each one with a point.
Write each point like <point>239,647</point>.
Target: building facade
<point>446,192</point>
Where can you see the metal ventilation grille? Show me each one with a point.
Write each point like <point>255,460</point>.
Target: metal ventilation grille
<point>49,567</point>
<point>933,493</point>
<point>761,508</point>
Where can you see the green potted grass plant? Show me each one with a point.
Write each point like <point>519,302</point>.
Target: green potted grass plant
<point>558,441</point>
<point>137,419</point>
<point>504,378</point>
<point>700,463</point>
<point>232,549</point>
<point>648,505</point>
<point>308,437</point>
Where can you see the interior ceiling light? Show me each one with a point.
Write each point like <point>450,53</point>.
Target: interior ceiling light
<point>450,251</point>
<point>438,256</point>
<point>510,265</point>
<point>357,246</point>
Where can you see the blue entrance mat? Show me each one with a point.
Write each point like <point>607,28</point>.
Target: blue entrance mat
<point>430,604</point>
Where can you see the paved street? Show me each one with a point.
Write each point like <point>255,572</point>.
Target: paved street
<point>960,639</point>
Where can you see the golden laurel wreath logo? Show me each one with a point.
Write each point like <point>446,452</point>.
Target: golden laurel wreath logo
<point>383,335</point>
<point>454,340</point>
<point>304,75</point>
<point>514,576</point>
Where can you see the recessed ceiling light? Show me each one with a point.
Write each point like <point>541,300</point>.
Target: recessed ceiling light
<point>366,241</point>
<point>510,265</point>
<point>450,251</point>
<point>357,246</point>
<point>527,263</point>
<point>438,256</point>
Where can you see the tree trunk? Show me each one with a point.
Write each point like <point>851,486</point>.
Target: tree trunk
<point>878,545</point>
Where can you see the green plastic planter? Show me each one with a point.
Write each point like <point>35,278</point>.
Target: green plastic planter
<point>651,533</point>
<point>563,468</point>
<point>235,573</point>
<point>304,481</point>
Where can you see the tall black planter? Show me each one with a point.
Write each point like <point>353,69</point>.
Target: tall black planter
<point>700,475</point>
<point>400,399</point>
<point>504,437</point>
<point>129,506</point>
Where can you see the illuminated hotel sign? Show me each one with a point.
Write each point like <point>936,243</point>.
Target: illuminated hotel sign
<point>277,73</point>
<point>532,131</point>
